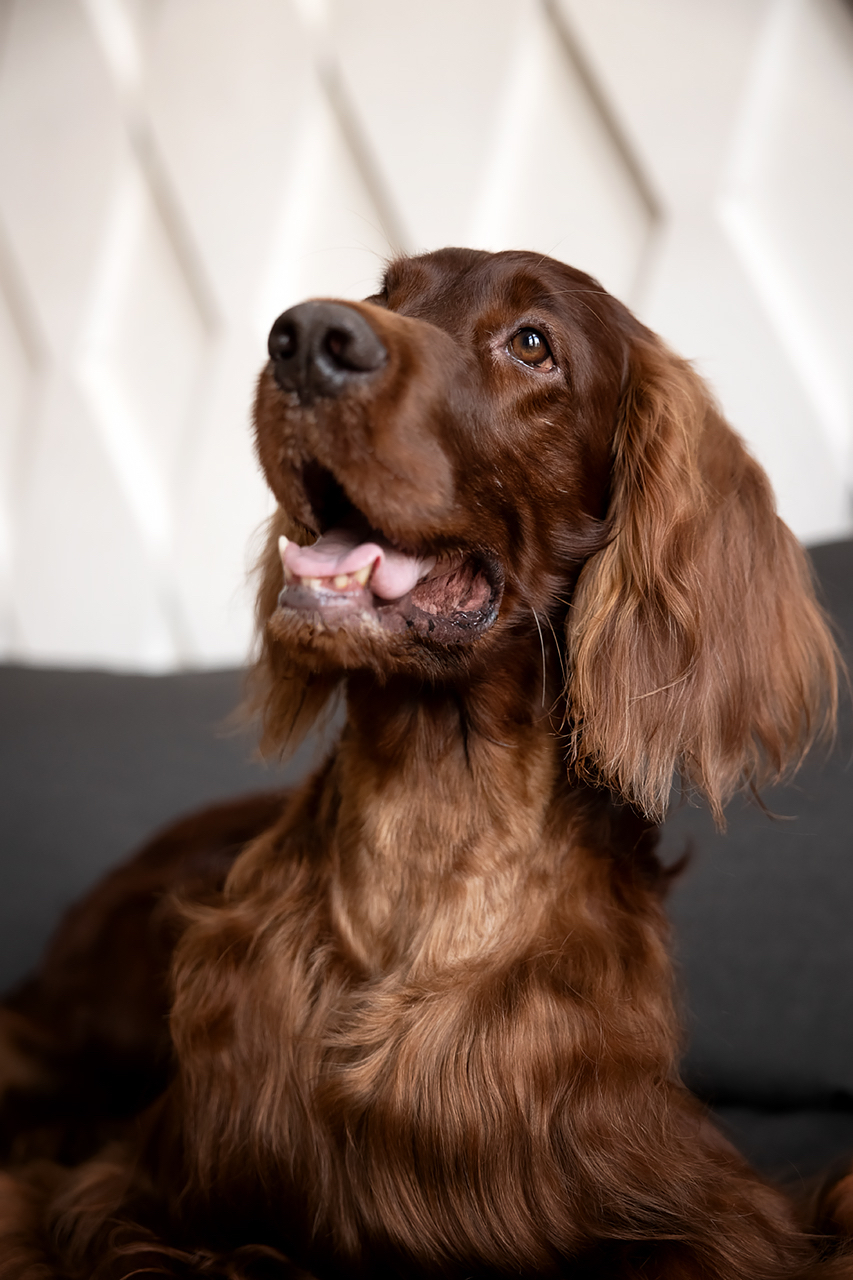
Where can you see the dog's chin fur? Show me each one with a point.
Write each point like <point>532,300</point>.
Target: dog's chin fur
<point>424,1026</point>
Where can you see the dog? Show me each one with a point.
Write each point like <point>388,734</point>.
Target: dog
<point>420,1011</point>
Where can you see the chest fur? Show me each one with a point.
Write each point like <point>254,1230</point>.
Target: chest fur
<point>389,1061</point>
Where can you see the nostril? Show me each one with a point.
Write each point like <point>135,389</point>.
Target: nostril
<point>348,344</point>
<point>283,342</point>
<point>336,344</point>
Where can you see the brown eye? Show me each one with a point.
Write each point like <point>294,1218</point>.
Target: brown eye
<point>531,347</point>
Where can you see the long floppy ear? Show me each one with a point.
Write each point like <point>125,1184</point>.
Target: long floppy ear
<point>696,645</point>
<point>287,698</point>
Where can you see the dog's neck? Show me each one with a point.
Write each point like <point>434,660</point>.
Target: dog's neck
<point>442,815</point>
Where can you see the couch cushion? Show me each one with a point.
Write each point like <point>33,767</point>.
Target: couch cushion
<point>792,1146</point>
<point>91,764</point>
<point>763,923</point>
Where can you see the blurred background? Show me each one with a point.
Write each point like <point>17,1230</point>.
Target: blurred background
<point>174,173</point>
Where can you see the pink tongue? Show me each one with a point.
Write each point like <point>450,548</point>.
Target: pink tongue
<point>339,552</point>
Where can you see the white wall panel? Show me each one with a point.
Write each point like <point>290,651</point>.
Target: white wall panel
<point>674,72</point>
<point>83,578</point>
<point>16,390</point>
<point>789,197</point>
<point>712,98</point>
<point>174,173</point>
<point>223,503</point>
<point>427,82</point>
<point>225,90</point>
<point>733,342</point>
<point>559,181</point>
<point>61,140</point>
<point>330,238</point>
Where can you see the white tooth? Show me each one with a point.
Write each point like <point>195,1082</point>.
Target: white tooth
<point>314,583</point>
<point>341,581</point>
<point>361,575</point>
<point>283,544</point>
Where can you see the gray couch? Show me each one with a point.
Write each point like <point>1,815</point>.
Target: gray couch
<point>763,916</point>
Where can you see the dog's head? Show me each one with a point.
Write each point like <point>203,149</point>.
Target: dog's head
<point>448,441</point>
<point>492,451</point>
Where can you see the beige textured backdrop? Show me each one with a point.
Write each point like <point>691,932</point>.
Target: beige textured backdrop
<point>174,173</point>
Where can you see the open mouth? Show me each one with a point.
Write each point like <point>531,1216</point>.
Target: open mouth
<point>353,575</point>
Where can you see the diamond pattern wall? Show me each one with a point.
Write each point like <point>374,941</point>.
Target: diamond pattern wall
<point>176,172</point>
<point>790,194</point>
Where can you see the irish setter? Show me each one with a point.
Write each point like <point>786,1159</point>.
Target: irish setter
<point>420,1012</point>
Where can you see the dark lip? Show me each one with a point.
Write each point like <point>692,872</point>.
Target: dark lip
<point>332,610</point>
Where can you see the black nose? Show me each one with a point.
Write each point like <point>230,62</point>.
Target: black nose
<point>322,348</point>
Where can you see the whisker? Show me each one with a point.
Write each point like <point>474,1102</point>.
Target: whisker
<point>568,293</point>
<point>557,645</point>
<point>542,644</point>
